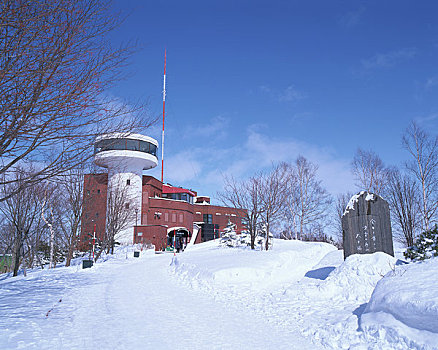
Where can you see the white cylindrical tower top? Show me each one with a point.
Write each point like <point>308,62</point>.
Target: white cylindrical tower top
<point>125,150</point>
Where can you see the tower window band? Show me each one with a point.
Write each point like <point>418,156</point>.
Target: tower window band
<point>123,144</point>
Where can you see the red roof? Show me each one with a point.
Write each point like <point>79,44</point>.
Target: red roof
<point>171,189</point>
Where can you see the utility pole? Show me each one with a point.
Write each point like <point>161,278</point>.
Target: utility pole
<point>94,238</point>
<point>164,110</point>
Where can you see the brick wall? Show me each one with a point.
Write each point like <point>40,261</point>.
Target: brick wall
<point>156,235</point>
<point>157,214</point>
<point>220,216</point>
<point>94,207</point>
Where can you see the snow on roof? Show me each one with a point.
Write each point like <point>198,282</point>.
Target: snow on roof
<point>179,228</point>
<point>202,203</point>
<point>171,189</point>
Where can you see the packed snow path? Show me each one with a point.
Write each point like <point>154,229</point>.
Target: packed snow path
<point>299,295</point>
<point>128,304</point>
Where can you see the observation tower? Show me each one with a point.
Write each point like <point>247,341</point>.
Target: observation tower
<point>125,156</point>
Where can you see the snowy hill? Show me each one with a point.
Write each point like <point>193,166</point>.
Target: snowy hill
<point>299,295</point>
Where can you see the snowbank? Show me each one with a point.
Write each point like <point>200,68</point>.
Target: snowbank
<point>404,306</point>
<point>287,262</point>
<point>357,276</point>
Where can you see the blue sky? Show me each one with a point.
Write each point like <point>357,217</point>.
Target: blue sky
<point>254,82</point>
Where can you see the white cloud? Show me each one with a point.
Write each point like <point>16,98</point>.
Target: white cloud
<point>301,116</point>
<point>352,18</point>
<point>388,59</point>
<point>289,94</point>
<point>431,82</point>
<point>428,122</point>
<point>257,152</point>
<point>215,127</point>
<point>182,167</point>
<point>334,172</point>
<point>265,88</point>
<point>203,167</point>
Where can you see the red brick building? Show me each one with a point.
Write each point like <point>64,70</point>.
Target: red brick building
<point>163,207</point>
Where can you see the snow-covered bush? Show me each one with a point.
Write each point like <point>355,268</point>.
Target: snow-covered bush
<point>425,247</point>
<point>229,237</point>
<point>245,239</point>
<point>261,237</point>
<point>42,256</point>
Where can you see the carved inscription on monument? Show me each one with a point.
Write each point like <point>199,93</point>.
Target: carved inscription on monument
<point>366,225</point>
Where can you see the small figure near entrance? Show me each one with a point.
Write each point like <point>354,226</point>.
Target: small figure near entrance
<point>177,238</point>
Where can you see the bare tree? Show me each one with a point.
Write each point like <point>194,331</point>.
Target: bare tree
<point>23,212</point>
<point>273,192</point>
<point>369,170</point>
<point>6,243</point>
<point>340,206</point>
<point>292,203</point>
<point>244,195</point>
<point>56,65</point>
<point>119,216</point>
<point>423,149</point>
<point>307,201</point>
<point>404,199</point>
<point>70,210</point>
<point>49,220</point>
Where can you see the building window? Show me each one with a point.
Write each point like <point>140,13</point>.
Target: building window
<point>97,215</point>
<point>98,191</point>
<point>208,218</point>
<point>125,144</point>
<point>181,218</point>
<point>126,205</point>
<point>128,182</point>
<point>166,217</point>
<point>88,192</point>
<point>173,217</point>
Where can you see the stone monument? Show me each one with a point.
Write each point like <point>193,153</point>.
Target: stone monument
<point>366,225</point>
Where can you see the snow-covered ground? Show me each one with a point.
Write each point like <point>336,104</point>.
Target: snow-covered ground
<point>299,295</point>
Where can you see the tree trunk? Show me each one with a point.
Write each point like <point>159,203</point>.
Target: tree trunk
<point>112,246</point>
<point>69,255</point>
<point>39,261</point>
<point>52,243</point>
<point>425,214</point>
<point>16,258</point>
<point>253,234</point>
<point>267,237</point>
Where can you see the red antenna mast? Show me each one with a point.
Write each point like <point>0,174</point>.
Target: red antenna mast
<point>164,110</point>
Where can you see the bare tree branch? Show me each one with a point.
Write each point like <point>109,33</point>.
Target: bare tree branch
<point>423,149</point>
<point>369,170</point>
<point>307,201</point>
<point>404,198</point>
<point>56,66</point>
